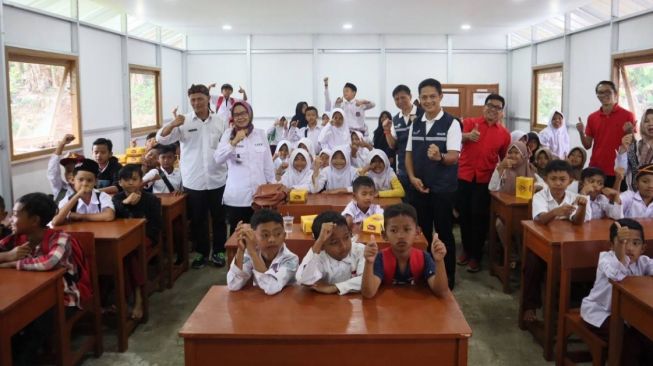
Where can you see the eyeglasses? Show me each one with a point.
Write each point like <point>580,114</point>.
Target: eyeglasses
<point>604,92</point>
<point>494,107</point>
<point>240,114</point>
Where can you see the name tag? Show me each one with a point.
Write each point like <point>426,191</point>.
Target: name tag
<point>193,130</point>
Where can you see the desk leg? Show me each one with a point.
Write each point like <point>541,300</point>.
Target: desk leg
<point>121,302</point>
<point>492,236</point>
<point>552,279</point>
<point>142,259</point>
<point>616,330</point>
<point>185,248</point>
<point>507,251</point>
<point>5,348</point>
<point>170,249</point>
<point>520,315</point>
<point>61,341</point>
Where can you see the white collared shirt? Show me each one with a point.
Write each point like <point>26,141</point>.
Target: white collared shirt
<point>355,115</point>
<point>94,206</point>
<point>601,207</point>
<point>634,205</point>
<point>413,112</point>
<point>199,140</point>
<point>345,274</point>
<point>295,134</point>
<point>249,164</point>
<point>357,214</point>
<point>544,202</point>
<point>281,272</point>
<point>597,306</point>
<point>159,185</point>
<point>454,134</point>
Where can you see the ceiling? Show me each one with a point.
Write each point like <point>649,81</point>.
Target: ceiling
<point>206,17</point>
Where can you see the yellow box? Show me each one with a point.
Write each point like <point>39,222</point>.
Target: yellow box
<point>122,159</point>
<point>135,151</point>
<point>133,160</point>
<point>307,223</point>
<point>524,188</point>
<point>373,224</point>
<point>298,196</point>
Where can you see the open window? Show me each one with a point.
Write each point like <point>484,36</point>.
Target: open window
<point>546,94</point>
<point>145,99</point>
<point>633,74</point>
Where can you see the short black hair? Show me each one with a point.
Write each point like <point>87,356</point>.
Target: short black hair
<point>401,88</point>
<point>127,171</point>
<point>103,141</point>
<point>534,136</point>
<point>363,181</point>
<point>591,171</point>
<point>557,165</point>
<point>643,170</point>
<point>310,108</point>
<point>496,97</point>
<point>327,216</point>
<point>2,204</point>
<point>39,204</point>
<point>150,135</point>
<point>164,149</point>
<point>87,165</point>
<point>198,88</point>
<point>265,215</point>
<point>606,82</point>
<point>625,222</point>
<point>351,86</point>
<point>429,82</point>
<point>226,86</point>
<point>400,209</point>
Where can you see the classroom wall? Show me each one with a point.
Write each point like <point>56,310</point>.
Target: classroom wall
<point>102,55</point>
<point>280,70</point>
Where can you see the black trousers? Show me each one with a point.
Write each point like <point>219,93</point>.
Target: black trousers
<point>637,349</point>
<point>474,209</point>
<point>200,205</point>
<point>408,188</point>
<point>434,210</point>
<point>236,214</point>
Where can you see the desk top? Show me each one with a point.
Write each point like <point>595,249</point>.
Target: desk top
<point>298,312</point>
<point>510,199</point>
<point>169,199</point>
<point>341,200</point>
<point>16,285</point>
<point>562,231</point>
<point>640,289</point>
<point>116,229</point>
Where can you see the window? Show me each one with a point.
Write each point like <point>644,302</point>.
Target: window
<point>94,13</point>
<point>172,38</point>
<point>58,7</point>
<point>547,94</point>
<point>627,7</point>
<point>145,99</point>
<point>142,29</point>
<point>43,101</point>
<point>634,77</point>
<point>550,28</point>
<point>520,37</point>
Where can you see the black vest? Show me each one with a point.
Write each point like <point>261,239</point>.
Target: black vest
<point>402,130</point>
<point>439,178</point>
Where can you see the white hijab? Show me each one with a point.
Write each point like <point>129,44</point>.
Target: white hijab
<point>293,178</point>
<point>340,178</point>
<point>280,144</point>
<point>332,136</point>
<point>309,145</point>
<point>556,139</point>
<point>516,135</point>
<point>383,180</point>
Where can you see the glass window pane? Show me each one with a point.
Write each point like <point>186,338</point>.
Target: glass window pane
<point>59,7</point>
<point>100,15</point>
<point>520,37</point>
<point>549,94</point>
<point>640,83</point>
<point>551,28</point>
<point>627,7</point>
<point>142,29</point>
<point>41,103</point>
<point>173,38</point>
<point>143,94</point>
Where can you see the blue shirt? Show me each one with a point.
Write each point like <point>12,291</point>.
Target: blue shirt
<point>405,278</point>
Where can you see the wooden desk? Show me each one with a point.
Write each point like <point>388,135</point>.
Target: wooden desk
<point>632,301</point>
<point>24,297</point>
<point>339,201</point>
<point>401,325</point>
<point>114,240</point>
<point>511,210</point>
<point>174,222</point>
<point>299,243</point>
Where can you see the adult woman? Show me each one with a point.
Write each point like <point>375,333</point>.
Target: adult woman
<point>380,142</point>
<point>633,154</point>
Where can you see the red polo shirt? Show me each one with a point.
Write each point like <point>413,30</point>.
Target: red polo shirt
<point>478,159</point>
<point>607,131</point>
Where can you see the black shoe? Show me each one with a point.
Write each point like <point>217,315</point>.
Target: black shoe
<point>199,262</point>
<point>219,259</point>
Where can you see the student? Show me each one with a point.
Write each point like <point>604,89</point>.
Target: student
<point>333,265</point>
<point>337,177</point>
<point>604,201</point>
<point>311,132</point>
<point>626,258</point>
<point>379,141</point>
<point>400,263</point>
<point>361,206</point>
<point>607,126</point>
<point>87,203</point>
<point>35,247</point>
<point>4,230</point>
<point>245,151</point>
<point>359,149</point>
<point>298,175</point>
<point>299,119</point>
<point>633,154</point>
<point>169,177</point>
<point>577,158</point>
<point>277,132</point>
<point>533,144</point>
<point>262,253</point>
<point>336,132</point>
<point>354,109</point>
<point>225,102</point>
<point>327,100</point>
<point>150,164</point>
<point>61,187</point>
<point>385,180</point>
<point>554,202</point>
<point>515,164</point>
<point>281,155</point>
<point>518,135</point>
<point>555,136</point>
<point>543,157</point>
<point>325,118</point>
<point>640,203</point>
<point>307,145</point>
<point>107,178</point>
<point>325,158</point>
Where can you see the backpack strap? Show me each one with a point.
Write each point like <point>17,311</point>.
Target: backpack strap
<point>415,262</point>
<point>165,179</point>
<point>60,195</point>
<point>99,203</point>
<point>219,103</point>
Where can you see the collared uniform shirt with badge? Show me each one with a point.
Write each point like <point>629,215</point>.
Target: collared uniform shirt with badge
<point>281,272</point>
<point>345,274</point>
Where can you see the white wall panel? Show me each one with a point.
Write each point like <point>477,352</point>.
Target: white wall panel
<point>171,81</point>
<point>30,30</point>
<point>478,42</point>
<point>519,104</point>
<point>217,42</point>
<point>282,42</point>
<point>635,34</point>
<point>418,41</point>
<point>478,69</point>
<point>219,69</point>
<point>551,52</point>
<point>348,42</point>
<point>410,70</point>
<point>141,53</point>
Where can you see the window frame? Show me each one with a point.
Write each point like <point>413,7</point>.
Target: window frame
<point>537,70</point>
<point>620,60</point>
<point>71,62</point>
<point>148,70</point>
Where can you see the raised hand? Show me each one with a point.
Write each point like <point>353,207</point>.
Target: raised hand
<point>623,235</point>
<point>433,153</point>
<point>240,135</point>
<point>387,124</point>
<point>68,138</point>
<point>438,249</point>
<point>580,126</point>
<point>325,234</point>
<point>241,90</point>
<point>475,134</point>
<point>179,118</point>
<point>371,250</point>
<point>628,128</point>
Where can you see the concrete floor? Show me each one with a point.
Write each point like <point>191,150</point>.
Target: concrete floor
<point>492,315</point>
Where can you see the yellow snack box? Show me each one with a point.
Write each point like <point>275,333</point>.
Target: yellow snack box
<point>135,151</point>
<point>307,223</point>
<point>298,196</point>
<point>373,224</point>
<point>133,160</point>
<point>524,188</point>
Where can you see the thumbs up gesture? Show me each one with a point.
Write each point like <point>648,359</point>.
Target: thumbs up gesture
<point>580,126</point>
<point>371,250</point>
<point>475,134</point>
<point>438,249</point>
<point>628,128</point>
<point>179,118</point>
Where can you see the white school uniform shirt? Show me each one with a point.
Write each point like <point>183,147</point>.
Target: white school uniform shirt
<point>249,164</point>
<point>281,272</point>
<point>159,186</point>
<point>634,206</point>
<point>94,206</point>
<point>295,134</point>
<point>355,115</point>
<point>331,137</point>
<point>601,207</point>
<point>198,141</point>
<point>597,306</point>
<point>345,274</point>
<point>357,214</point>
<point>54,177</point>
<point>454,133</point>
<point>407,121</point>
<point>224,111</point>
<point>544,202</point>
